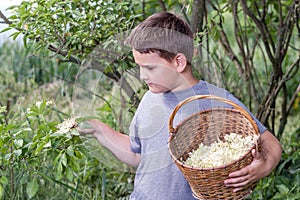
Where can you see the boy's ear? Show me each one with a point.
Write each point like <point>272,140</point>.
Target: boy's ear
<point>181,62</point>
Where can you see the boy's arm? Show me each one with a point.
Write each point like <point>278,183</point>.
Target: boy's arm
<point>117,143</point>
<point>262,165</point>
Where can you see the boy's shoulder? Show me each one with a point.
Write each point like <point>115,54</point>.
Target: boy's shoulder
<point>150,98</point>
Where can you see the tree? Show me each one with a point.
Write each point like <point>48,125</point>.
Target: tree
<point>267,31</point>
<point>73,29</point>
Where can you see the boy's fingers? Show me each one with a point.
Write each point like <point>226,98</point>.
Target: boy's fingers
<point>256,154</point>
<point>86,131</point>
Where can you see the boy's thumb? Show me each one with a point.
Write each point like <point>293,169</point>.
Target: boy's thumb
<point>256,155</point>
<point>86,131</point>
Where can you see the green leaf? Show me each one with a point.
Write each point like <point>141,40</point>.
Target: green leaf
<point>70,151</point>
<point>32,188</point>
<point>1,191</point>
<point>7,156</point>
<point>23,131</point>
<point>59,170</point>
<point>48,144</point>
<point>18,143</point>
<point>35,109</point>
<point>69,174</point>
<point>39,148</point>
<point>74,132</point>
<point>283,189</point>
<point>5,29</point>
<point>17,153</point>
<point>294,196</point>
<point>15,35</point>
<point>3,180</point>
<point>64,160</point>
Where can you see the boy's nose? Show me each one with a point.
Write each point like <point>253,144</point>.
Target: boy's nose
<point>142,73</point>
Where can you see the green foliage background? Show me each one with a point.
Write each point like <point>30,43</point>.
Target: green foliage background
<point>38,163</point>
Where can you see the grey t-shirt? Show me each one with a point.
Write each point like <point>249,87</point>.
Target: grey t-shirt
<point>157,176</point>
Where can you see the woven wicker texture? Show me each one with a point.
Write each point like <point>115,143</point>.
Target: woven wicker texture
<point>205,127</point>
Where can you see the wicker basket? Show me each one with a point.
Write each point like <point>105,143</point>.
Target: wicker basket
<point>204,127</point>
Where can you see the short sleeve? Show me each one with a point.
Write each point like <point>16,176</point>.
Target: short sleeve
<point>135,143</point>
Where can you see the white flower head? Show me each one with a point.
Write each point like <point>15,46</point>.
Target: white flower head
<point>2,109</point>
<point>49,103</point>
<point>67,125</point>
<point>38,103</point>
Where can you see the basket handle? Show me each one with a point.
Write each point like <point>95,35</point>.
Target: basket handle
<point>197,97</point>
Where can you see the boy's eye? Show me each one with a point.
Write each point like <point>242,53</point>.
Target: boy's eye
<point>150,67</point>
<point>146,67</point>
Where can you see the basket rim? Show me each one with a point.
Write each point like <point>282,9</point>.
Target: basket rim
<point>173,134</point>
<point>212,97</point>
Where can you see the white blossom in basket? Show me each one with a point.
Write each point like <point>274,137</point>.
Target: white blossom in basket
<point>220,153</point>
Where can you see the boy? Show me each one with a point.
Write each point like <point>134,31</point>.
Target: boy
<point>162,46</point>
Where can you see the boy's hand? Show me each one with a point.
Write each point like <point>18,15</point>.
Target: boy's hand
<point>88,127</point>
<point>251,173</point>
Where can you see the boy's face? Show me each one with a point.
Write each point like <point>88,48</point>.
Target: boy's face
<point>159,74</point>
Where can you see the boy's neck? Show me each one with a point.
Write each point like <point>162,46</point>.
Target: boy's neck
<point>189,83</point>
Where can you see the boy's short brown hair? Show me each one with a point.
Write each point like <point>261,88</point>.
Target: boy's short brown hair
<point>163,33</point>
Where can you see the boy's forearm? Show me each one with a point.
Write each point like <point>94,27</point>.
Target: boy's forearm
<point>272,150</point>
<point>118,144</point>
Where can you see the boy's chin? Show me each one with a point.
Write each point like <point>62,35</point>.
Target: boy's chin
<point>157,90</point>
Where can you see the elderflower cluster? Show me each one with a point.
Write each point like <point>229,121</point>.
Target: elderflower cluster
<point>66,125</point>
<point>48,103</point>
<point>221,153</point>
<point>2,109</point>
